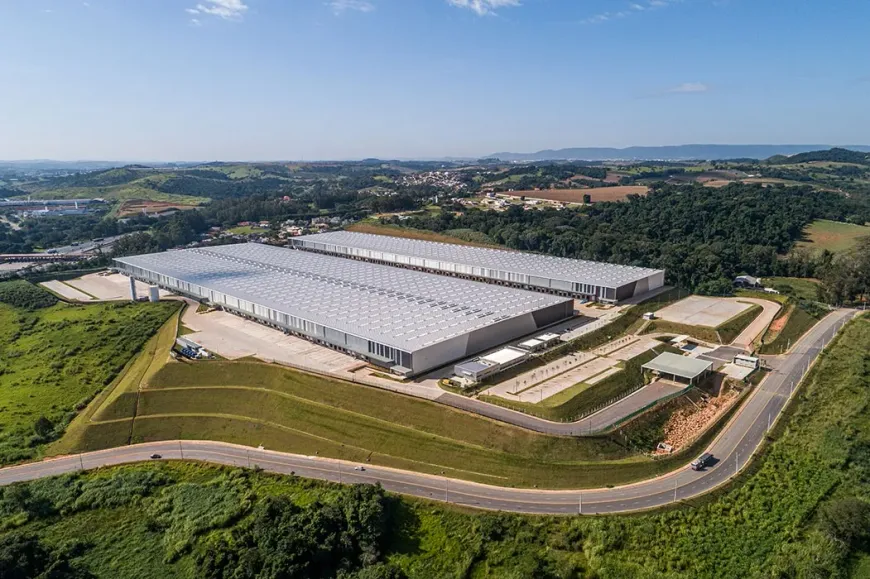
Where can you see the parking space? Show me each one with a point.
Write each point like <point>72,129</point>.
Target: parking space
<point>702,311</point>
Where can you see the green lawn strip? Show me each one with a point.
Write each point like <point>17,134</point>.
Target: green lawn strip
<point>698,332</point>
<point>488,467</point>
<point>58,360</point>
<point>361,431</point>
<point>732,328</point>
<point>315,444</point>
<point>565,395</point>
<point>422,415</point>
<point>800,288</point>
<point>798,323</point>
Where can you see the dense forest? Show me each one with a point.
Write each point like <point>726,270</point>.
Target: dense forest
<point>703,237</point>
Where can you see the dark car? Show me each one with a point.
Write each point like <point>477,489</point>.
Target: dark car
<point>702,461</point>
<point>156,456</point>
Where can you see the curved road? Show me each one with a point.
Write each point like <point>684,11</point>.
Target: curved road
<point>733,449</point>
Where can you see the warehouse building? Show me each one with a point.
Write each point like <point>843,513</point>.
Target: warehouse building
<point>603,282</point>
<point>407,321</point>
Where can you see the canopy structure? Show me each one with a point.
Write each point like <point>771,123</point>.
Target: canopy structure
<point>680,368</point>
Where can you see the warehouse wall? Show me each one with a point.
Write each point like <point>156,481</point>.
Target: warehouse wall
<point>539,282</point>
<point>489,337</point>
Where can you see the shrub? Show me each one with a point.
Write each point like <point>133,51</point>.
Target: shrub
<point>24,295</point>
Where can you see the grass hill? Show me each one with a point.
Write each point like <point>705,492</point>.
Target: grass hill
<point>186,186</point>
<point>835,155</point>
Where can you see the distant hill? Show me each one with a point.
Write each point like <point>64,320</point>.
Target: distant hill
<point>835,155</point>
<point>668,153</point>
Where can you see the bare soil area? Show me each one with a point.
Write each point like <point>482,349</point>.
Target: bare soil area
<point>598,194</point>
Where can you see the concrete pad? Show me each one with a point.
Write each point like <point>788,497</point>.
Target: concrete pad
<point>759,325</point>
<point>113,287</point>
<point>702,311</point>
<point>635,349</point>
<point>526,379</point>
<point>736,372</point>
<point>606,374</point>
<point>66,291</point>
<point>559,383</point>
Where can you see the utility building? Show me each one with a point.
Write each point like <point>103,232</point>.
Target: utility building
<point>604,282</point>
<point>407,321</point>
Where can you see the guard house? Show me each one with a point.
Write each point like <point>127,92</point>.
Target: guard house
<point>679,368</point>
<point>746,361</point>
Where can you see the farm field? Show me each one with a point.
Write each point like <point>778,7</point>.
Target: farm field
<point>54,359</point>
<point>833,235</point>
<point>797,511</point>
<point>599,194</point>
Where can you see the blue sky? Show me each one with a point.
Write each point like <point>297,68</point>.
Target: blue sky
<point>337,79</point>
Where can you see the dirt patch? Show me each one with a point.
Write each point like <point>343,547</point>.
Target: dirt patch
<point>686,424</point>
<point>716,183</point>
<point>135,206</point>
<point>598,194</point>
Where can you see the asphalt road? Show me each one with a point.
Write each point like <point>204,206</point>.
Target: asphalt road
<point>733,449</point>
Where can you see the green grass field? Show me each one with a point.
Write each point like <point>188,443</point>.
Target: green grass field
<point>799,511</point>
<point>246,230</point>
<point>252,403</point>
<point>833,235</point>
<point>800,288</point>
<point>54,360</point>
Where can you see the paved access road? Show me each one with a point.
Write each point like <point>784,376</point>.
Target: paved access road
<point>733,448</point>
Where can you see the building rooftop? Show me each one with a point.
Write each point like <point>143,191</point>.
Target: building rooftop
<point>676,365</point>
<point>561,268</point>
<point>401,308</point>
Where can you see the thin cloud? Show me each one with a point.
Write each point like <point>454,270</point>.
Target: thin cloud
<point>225,9</point>
<point>339,7</point>
<point>631,9</point>
<point>688,88</point>
<point>484,7</point>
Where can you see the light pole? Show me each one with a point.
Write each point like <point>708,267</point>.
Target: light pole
<point>580,505</point>
<point>736,463</point>
<point>81,462</point>
<point>180,450</point>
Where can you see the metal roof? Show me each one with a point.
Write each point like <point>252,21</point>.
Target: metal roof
<point>546,266</point>
<point>676,365</point>
<point>405,309</point>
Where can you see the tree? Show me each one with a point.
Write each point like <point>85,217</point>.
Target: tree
<point>847,520</point>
